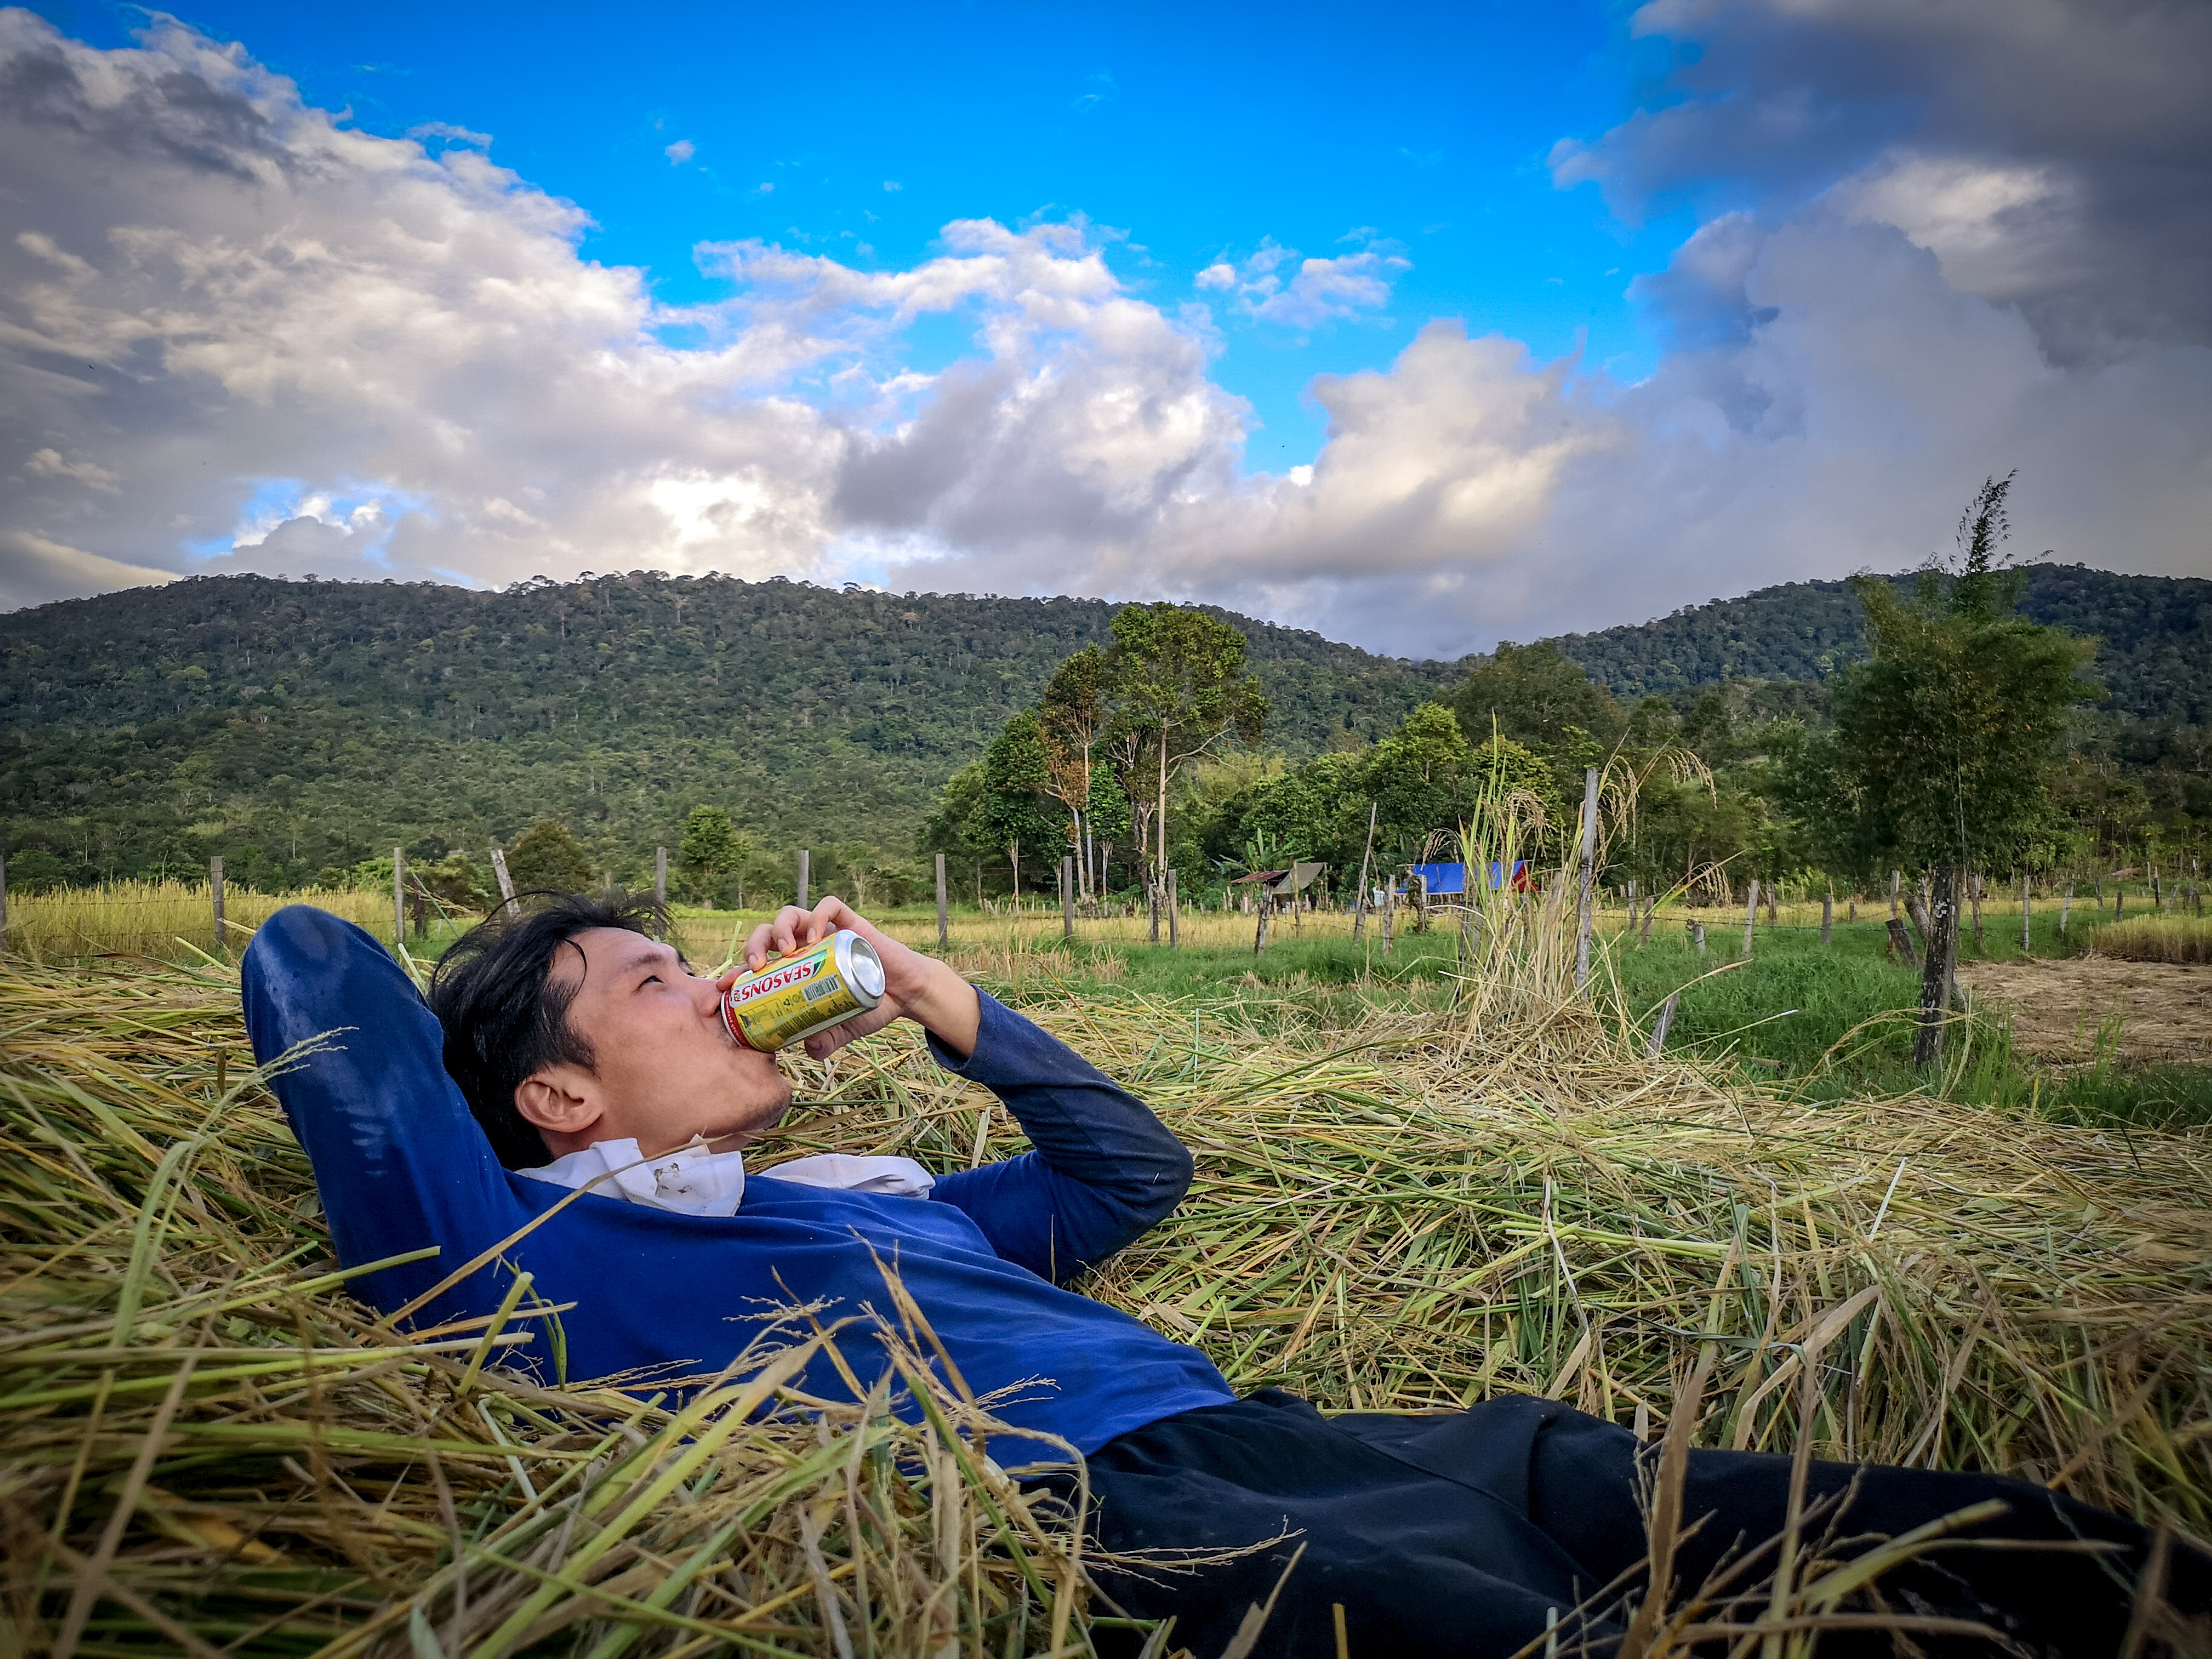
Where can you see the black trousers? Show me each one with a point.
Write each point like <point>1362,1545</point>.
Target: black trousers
<point>1463,1532</point>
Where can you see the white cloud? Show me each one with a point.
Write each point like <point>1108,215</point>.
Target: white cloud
<point>893,184</point>
<point>680,151</point>
<point>49,464</point>
<point>1317,291</point>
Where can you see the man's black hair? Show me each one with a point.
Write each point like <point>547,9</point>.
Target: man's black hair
<point>506,1017</point>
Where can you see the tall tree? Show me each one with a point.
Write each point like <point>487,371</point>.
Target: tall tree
<point>1946,738</point>
<point>1017,808</point>
<point>1179,676</point>
<point>546,858</point>
<point>1534,695</point>
<point>712,846</point>
<point>1071,715</point>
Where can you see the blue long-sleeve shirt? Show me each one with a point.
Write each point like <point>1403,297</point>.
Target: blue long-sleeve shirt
<point>400,1164</point>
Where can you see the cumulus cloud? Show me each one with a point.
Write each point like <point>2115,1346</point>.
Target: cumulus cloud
<point>234,334</point>
<point>1314,291</point>
<point>680,152</point>
<point>2055,155</point>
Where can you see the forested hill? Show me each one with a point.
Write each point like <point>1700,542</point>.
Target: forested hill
<point>2155,657</point>
<point>295,726</point>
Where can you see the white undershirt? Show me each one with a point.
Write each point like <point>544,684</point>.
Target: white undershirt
<point>693,1181</point>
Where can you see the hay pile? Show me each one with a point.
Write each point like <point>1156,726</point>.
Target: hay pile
<point>209,1448</point>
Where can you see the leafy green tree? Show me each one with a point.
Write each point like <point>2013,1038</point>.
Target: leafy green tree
<point>1106,818</point>
<point>544,857</point>
<point>1534,695</point>
<point>1016,810</point>
<point>1071,716</point>
<point>1418,777</point>
<point>1180,683</point>
<point>1947,738</point>
<point>712,847</point>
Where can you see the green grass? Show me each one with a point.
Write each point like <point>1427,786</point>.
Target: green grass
<point>1834,1021</point>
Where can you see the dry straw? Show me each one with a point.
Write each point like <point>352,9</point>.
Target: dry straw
<point>209,1448</point>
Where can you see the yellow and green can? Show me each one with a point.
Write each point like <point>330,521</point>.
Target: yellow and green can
<point>810,990</point>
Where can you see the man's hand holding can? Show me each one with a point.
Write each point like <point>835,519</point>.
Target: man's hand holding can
<point>915,987</point>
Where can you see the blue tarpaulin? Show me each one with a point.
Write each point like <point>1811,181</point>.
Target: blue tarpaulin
<point>1448,879</point>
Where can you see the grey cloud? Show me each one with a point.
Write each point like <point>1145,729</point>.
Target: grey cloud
<point>2055,154</point>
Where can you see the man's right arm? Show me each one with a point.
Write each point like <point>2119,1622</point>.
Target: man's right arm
<point>398,1161</point>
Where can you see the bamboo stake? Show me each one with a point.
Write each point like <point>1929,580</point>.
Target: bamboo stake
<point>215,895</point>
<point>1583,914</point>
<point>1067,897</point>
<point>1366,857</point>
<point>943,934</point>
<point>1750,915</point>
<point>806,882</point>
<point>660,876</point>
<point>1174,938</point>
<point>398,900</point>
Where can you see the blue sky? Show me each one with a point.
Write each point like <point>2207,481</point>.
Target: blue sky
<point>1424,327</point>
<point>1195,133</point>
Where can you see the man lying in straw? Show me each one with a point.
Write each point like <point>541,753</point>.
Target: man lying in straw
<point>587,1056</point>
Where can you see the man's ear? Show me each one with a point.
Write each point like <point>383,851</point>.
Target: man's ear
<point>562,1100</point>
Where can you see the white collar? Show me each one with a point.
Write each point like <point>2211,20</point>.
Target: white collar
<point>694,1180</point>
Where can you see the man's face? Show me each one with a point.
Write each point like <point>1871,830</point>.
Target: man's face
<point>666,1069</point>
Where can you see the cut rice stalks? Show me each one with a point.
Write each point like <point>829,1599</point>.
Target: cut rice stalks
<point>209,1446</point>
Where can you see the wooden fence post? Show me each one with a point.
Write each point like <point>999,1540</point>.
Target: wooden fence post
<point>1827,914</point>
<point>1631,907</point>
<point>660,876</point>
<point>1420,895</point>
<point>2065,909</point>
<point>1389,908</point>
<point>1174,934</point>
<point>4,903</point>
<point>804,883</point>
<point>398,900</point>
<point>1152,906</point>
<point>1259,927</point>
<point>943,936</point>
<point>1367,855</point>
<point>1974,894</point>
<point>1698,934</point>
<point>2027,900</point>
<point>1582,915</point>
<point>1067,898</point>
<point>1659,1026</point>
<point>505,882</point>
<point>1750,915</point>
<point>214,898</point>
<point>1895,878</point>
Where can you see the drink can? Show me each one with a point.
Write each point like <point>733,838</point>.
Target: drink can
<point>808,991</point>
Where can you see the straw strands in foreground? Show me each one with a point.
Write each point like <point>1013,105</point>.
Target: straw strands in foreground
<point>209,1448</point>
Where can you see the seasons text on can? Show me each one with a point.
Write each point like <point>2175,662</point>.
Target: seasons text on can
<point>808,991</point>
